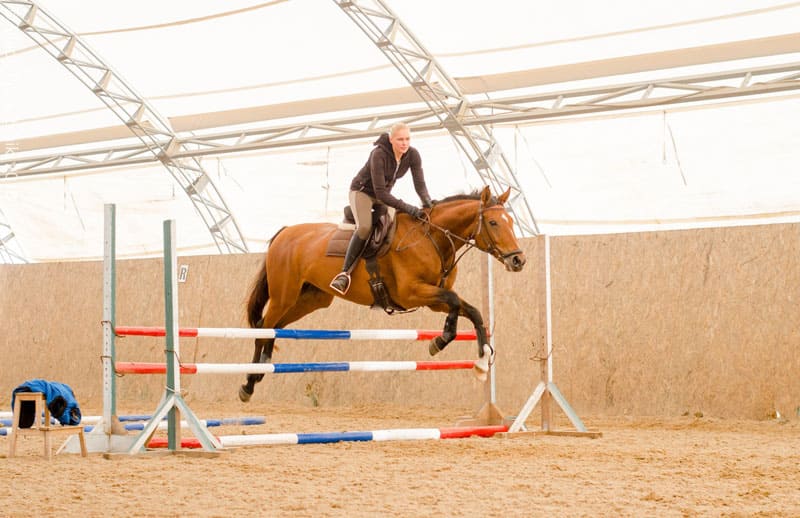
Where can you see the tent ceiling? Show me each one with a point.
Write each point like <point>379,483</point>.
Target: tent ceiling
<point>209,72</point>
<point>473,86</point>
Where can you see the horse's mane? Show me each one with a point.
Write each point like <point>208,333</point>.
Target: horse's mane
<point>474,195</point>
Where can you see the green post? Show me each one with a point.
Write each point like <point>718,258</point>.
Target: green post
<point>172,404</point>
<point>171,326</point>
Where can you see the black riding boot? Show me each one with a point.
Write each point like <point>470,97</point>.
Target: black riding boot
<point>341,283</point>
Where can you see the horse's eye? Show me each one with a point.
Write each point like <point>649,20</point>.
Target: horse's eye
<point>493,223</point>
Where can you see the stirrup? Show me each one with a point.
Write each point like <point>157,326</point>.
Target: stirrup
<point>336,283</point>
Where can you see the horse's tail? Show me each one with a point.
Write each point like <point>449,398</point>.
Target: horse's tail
<point>259,295</point>
<point>259,292</point>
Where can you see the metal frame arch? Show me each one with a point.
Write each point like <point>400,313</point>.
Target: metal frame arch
<point>444,98</point>
<point>702,91</point>
<point>10,249</point>
<point>135,112</point>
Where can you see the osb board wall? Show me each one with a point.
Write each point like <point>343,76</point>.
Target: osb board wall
<point>672,322</point>
<point>644,324</point>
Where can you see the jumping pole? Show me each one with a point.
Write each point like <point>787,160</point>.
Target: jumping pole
<point>489,414</point>
<point>547,391</point>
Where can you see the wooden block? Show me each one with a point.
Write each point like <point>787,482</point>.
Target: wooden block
<point>539,433</point>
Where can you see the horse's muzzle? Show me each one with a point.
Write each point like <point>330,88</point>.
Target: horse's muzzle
<point>514,262</point>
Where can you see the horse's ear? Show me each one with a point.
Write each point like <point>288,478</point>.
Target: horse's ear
<point>486,195</point>
<point>503,198</point>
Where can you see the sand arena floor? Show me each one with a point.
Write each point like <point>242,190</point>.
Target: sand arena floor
<point>685,466</point>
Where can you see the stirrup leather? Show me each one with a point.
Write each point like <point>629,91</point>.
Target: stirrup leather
<point>341,283</point>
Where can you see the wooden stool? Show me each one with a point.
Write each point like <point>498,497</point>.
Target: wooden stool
<point>40,427</point>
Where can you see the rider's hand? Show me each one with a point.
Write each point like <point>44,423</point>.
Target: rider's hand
<point>427,203</point>
<point>416,212</point>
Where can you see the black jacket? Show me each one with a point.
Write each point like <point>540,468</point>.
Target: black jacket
<point>381,171</point>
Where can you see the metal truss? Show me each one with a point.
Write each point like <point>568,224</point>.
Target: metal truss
<point>10,251</point>
<point>698,89</point>
<point>154,132</point>
<point>444,98</point>
<point>695,89</point>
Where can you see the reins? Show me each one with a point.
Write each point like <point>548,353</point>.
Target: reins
<point>469,242</point>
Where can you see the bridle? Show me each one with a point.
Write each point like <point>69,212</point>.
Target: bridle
<point>470,242</point>
<point>492,249</point>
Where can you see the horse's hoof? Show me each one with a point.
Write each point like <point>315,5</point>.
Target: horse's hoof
<point>482,364</point>
<point>435,346</point>
<point>244,395</point>
<point>480,373</point>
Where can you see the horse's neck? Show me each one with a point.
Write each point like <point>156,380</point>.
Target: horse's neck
<point>457,220</point>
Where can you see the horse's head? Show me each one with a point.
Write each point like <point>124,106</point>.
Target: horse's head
<point>495,231</point>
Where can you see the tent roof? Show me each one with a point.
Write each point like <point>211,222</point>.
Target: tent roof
<point>206,67</point>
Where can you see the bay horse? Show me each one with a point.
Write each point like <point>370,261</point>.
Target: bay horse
<point>418,270</point>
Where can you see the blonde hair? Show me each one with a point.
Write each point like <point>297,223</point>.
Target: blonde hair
<point>397,126</point>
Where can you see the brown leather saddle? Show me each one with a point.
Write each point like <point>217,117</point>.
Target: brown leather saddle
<point>383,228</point>
<point>379,240</point>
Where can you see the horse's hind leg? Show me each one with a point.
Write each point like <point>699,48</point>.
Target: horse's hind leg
<point>262,354</point>
<point>309,300</point>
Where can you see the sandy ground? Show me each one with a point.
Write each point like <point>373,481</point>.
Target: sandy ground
<point>685,466</point>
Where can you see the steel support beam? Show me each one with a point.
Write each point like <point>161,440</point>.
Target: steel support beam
<point>444,98</point>
<point>153,131</point>
<point>695,89</point>
<point>476,87</point>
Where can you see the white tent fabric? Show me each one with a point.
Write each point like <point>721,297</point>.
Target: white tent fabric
<point>676,167</point>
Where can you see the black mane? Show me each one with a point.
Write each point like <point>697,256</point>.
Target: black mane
<point>474,195</point>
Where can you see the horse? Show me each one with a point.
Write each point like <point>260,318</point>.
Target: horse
<point>419,270</point>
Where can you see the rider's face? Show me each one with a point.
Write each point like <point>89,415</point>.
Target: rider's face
<point>401,140</point>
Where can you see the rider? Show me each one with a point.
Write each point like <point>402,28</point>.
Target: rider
<point>389,160</point>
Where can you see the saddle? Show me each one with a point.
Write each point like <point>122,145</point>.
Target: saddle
<point>378,242</point>
<point>383,228</point>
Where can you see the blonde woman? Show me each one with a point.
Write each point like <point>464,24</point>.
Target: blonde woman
<point>390,159</point>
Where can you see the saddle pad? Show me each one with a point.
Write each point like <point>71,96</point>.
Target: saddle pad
<point>337,246</point>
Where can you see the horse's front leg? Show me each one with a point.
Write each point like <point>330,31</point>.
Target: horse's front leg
<point>439,299</point>
<point>446,301</point>
<point>448,333</point>
<point>455,308</point>
<point>262,353</point>
<point>485,351</point>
